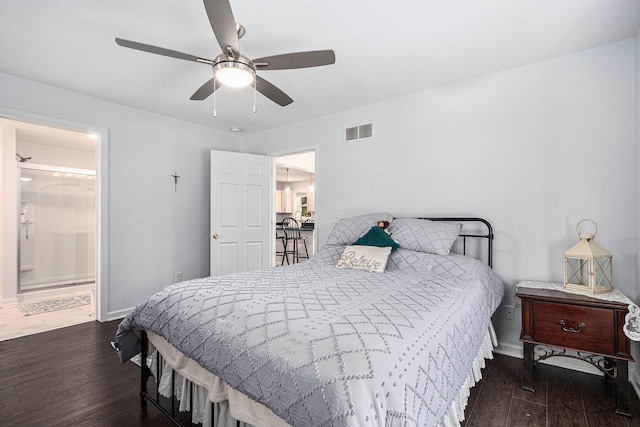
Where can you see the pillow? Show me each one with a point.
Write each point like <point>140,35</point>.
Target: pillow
<point>347,230</point>
<point>376,236</point>
<point>422,235</point>
<point>367,258</point>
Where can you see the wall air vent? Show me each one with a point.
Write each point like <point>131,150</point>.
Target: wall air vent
<point>358,132</point>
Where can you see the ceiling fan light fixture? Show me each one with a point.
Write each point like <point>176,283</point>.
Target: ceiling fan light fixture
<point>234,73</point>
<point>231,68</point>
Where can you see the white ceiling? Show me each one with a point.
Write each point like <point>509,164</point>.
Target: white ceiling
<point>296,167</point>
<point>383,49</point>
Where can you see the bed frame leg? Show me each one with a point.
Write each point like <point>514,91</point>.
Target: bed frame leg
<point>144,369</point>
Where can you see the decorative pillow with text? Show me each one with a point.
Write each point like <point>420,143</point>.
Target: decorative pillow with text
<point>368,258</point>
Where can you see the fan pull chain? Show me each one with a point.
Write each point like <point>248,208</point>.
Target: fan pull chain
<point>255,90</point>
<point>214,95</point>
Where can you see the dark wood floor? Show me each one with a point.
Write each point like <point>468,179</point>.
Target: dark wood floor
<point>72,376</point>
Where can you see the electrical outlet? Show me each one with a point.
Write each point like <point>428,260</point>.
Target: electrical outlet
<point>509,312</point>
<point>339,216</point>
<point>178,277</point>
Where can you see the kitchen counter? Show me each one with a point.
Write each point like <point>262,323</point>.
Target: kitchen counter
<point>305,226</point>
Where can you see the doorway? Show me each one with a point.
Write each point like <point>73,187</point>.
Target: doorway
<point>295,197</point>
<point>67,161</point>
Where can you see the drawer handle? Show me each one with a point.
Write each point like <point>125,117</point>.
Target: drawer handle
<point>571,330</point>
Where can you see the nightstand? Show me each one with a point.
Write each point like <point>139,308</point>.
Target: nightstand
<point>556,323</point>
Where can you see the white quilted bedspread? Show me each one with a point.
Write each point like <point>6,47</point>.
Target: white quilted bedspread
<point>322,346</point>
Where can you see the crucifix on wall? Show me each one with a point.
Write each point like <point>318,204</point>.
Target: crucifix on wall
<point>175,181</point>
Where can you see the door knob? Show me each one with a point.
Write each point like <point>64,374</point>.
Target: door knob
<point>215,235</point>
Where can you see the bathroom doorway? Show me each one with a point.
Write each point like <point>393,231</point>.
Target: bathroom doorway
<point>51,230</point>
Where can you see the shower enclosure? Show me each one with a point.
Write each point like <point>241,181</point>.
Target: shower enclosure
<point>57,227</point>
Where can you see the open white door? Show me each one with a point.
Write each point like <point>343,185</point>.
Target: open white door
<point>240,212</point>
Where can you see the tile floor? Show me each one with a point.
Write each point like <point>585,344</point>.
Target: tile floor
<point>14,324</point>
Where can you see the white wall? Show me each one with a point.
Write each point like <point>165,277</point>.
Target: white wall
<point>532,149</point>
<point>153,231</point>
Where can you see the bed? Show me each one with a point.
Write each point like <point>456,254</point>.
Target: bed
<point>331,341</point>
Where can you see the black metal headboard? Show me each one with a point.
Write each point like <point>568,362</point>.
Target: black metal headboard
<point>472,233</point>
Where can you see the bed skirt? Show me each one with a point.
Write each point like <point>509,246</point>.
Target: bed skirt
<point>230,406</point>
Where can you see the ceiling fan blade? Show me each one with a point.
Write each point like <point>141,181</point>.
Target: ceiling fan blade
<point>160,51</point>
<point>287,61</point>
<point>272,92</point>
<point>205,90</point>
<point>223,24</point>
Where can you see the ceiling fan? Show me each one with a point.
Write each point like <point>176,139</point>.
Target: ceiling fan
<point>231,68</point>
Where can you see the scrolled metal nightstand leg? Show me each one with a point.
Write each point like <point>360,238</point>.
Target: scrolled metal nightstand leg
<point>609,369</point>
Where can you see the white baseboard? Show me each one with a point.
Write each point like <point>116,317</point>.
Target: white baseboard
<point>568,363</point>
<point>119,314</point>
<point>509,350</point>
<point>9,302</point>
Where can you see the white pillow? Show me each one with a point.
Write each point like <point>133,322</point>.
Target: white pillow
<point>367,258</point>
<point>432,237</point>
<point>348,230</point>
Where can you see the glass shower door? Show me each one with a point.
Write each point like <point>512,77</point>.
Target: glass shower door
<point>57,228</point>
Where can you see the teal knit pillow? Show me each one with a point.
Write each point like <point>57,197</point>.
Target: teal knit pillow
<point>376,236</point>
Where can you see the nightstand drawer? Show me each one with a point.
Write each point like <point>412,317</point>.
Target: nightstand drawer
<point>576,327</point>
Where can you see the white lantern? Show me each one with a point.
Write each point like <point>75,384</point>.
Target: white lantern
<point>587,265</point>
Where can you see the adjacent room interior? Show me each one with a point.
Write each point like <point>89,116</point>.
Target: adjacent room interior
<point>56,197</point>
<point>295,207</point>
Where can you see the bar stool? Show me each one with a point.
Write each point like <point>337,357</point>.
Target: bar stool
<point>280,238</point>
<point>291,229</point>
